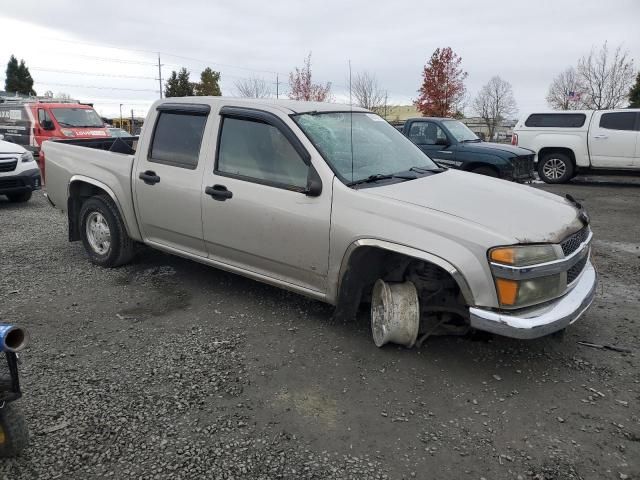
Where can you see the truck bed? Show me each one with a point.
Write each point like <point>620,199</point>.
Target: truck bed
<point>91,162</point>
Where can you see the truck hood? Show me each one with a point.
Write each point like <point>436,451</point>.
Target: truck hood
<point>499,148</point>
<point>523,213</point>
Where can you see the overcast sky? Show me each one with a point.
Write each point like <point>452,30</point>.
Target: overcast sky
<point>67,43</point>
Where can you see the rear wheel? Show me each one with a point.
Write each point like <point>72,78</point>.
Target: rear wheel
<point>555,168</point>
<point>20,197</point>
<point>103,233</point>
<point>14,435</point>
<point>486,171</point>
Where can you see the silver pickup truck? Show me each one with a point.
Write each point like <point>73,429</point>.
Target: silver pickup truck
<point>333,203</point>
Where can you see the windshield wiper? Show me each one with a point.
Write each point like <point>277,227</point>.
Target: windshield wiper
<point>426,170</point>
<point>379,176</point>
<point>473,140</point>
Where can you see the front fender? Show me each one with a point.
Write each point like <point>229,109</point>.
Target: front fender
<point>409,252</point>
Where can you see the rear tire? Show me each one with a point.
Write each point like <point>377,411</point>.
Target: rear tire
<point>555,168</point>
<point>20,197</point>
<point>486,171</point>
<point>103,233</point>
<point>14,435</point>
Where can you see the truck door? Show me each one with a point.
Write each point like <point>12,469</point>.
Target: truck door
<point>612,139</point>
<point>168,178</point>
<point>256,215</point>
<point>433,141</point>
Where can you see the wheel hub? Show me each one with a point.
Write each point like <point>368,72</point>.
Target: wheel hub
<point>395,313</point>
<point>98,233</point>
<point>554,168</point>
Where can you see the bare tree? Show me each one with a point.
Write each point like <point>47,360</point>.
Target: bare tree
<point>494,103</point>
<point>565,92</point>
<point>367,92</point>
<point>605,78</point>
<point>253,87</point>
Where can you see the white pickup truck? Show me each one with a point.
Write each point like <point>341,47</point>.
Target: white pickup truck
<point>333,203</point>
<point>581,141</point>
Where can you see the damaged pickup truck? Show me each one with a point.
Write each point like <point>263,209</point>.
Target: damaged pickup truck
<point>333,203</point>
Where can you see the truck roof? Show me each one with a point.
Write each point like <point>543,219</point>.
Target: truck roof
<point>430,118</point>
<point>287,106</point>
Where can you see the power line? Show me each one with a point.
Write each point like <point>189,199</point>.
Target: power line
<point>76,72</point>
<point>97,87</point>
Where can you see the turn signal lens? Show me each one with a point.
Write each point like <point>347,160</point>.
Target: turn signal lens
<point>503,255</point>
<point>507,291</point>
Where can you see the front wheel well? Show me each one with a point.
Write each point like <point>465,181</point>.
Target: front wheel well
<point>79,192</point>
<point>368,264</point>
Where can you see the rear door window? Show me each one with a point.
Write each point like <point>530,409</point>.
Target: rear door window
<point>619,121</point>
<point>177,139</point>
<point>556,120</point>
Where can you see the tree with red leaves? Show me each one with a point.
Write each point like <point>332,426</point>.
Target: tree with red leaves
<point>302,88</point>
<point>442,88</point>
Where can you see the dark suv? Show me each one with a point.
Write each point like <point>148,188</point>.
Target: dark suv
<point>450,143</point>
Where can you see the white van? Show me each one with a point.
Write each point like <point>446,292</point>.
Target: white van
<point>577,141</point>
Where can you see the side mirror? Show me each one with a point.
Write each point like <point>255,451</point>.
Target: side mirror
<point>314,184</point>
<point>47,125</point>
<point>442,141</point>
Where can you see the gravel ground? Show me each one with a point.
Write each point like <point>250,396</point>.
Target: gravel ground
<point>169,369</point>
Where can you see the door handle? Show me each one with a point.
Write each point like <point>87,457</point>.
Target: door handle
<point>218,192</point>
<point>149,177</point>
<point>601,136</point>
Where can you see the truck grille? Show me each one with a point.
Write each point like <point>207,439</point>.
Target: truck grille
<point>572,243</point>
<point>523,167</point>
<point>575,271</point>
<point>8,165</point>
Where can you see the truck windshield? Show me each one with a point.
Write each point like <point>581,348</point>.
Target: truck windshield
<point>460,131</point>
<point>361,145</point>
<point>77,117</point>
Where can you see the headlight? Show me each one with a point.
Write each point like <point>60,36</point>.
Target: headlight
<point>524,292</point>
<point>27,157</point>
<point>524,255</point>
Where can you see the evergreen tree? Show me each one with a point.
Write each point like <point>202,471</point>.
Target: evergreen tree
<point>178,84</point>
<point>26,81</point>
<point>18,78</point>
<point>634,94</point>
<point>209,83</point>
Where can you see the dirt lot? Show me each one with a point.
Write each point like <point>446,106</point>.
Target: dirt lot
<point>169,369</point>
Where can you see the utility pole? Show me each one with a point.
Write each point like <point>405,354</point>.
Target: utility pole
<point>159,75</point>
<point>277,86</point>
<point>120,116</point>
<point>132,120</point>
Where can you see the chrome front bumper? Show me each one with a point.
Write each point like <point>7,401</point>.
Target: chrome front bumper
<point>540,321</point>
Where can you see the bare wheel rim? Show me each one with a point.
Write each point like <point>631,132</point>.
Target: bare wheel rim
<point>554,168</point>
<point>98,233</point>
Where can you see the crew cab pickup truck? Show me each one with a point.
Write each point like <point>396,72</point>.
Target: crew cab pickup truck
<point>567,143</point>
<point>450,143</point>
<point>19,173</point>
<point>335,204</point>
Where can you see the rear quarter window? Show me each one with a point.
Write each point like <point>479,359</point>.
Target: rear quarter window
<point>556,120</point>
